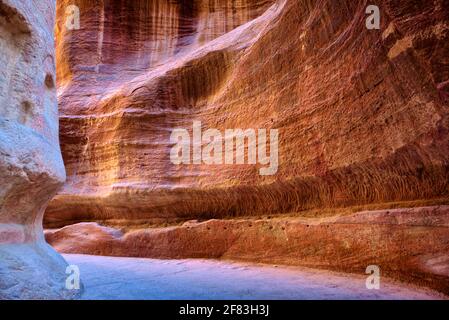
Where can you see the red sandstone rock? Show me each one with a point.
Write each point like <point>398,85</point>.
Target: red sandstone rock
<point>407,244</point>
<point>361,113</point>
<point>31,167</point>
<point>362,116</point>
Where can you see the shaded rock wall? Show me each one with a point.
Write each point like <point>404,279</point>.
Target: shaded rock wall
<point>31,166</point>
<point>362,114</point>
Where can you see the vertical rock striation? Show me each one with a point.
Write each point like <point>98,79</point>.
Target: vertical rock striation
<point>361,113</point>
<point>362,117</point>
<point>31,166</point>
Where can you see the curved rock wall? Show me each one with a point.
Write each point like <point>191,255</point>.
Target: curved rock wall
<point>31,166</point>
<point>362,114</point>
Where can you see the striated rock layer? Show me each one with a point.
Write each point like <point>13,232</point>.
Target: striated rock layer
<point>362,118</point>
<point>362,114</point>
<point>31,166</point>
<point>411,245</point>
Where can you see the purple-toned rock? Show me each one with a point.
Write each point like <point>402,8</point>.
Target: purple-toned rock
<point>31,166</point>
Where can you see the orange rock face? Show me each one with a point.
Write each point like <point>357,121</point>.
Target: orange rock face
<point>362,116</point>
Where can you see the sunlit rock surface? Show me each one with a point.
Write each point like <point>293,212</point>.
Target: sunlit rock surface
<point>31,166</point>
<point>361,113</point>
<point>362,117</point>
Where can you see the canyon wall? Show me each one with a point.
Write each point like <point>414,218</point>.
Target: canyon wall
<point>361,114</point>
<point>362,117</point>
<point>31,166</point>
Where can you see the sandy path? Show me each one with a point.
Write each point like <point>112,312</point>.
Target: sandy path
<point>138,278</point>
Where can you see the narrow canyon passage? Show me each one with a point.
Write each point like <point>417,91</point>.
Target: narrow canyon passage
<point>300,133</point>
<point>361,174</point>
<point>191,279</point>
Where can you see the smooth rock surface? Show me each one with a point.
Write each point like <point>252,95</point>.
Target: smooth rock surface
<point>31,166</point>
<point>137,278</point>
